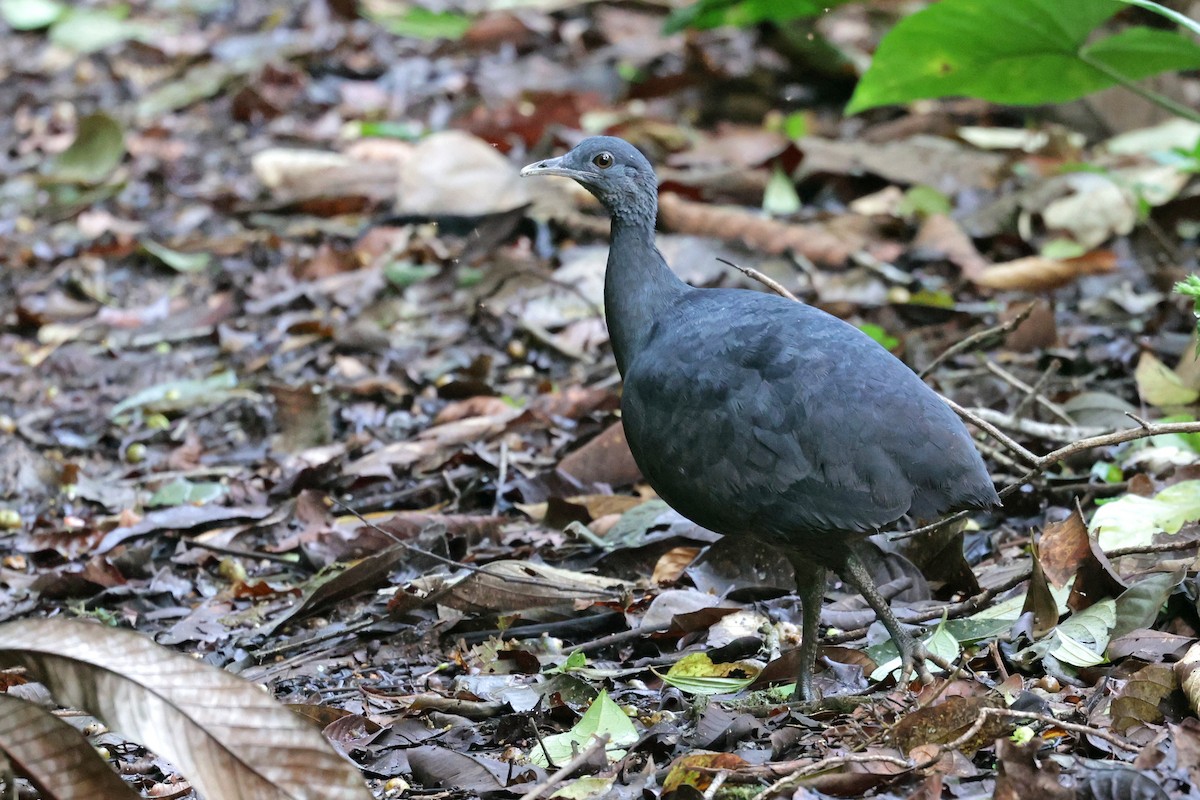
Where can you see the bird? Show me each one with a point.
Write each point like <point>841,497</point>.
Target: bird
<point>757,416</point>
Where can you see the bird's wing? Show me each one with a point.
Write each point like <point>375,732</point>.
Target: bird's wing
<point>773,424</point>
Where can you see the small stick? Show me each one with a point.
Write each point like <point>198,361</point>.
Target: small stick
<point>969,343</point>
<point>1006,376</point>
<point>767,281</point>
<point>992,430</point>
<point>598,744</point>
<point>1035,391</point>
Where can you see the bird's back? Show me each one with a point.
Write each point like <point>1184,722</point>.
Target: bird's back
<point>754,414</point>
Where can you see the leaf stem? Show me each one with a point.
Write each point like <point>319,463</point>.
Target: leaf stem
<point>1178,109</point>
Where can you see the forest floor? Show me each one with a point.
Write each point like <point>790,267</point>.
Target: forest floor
<point>300,378</point>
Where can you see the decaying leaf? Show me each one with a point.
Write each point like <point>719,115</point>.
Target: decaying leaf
<point>59,761</point>
<point>1137,701</point>
<point>228,737</point>
<point>508,586</point>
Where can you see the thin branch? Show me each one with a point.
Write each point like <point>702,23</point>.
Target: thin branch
<point>597,745</point>
<point>800,773</point>
<point>1006,376</point>
<point>1160,100</point>
<point>979,422</point>
<point>1035,392</point>
<point>766,280</point>
<point>976,339</point>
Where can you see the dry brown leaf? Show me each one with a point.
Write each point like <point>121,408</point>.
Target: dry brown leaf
<point>55,757</point>
<point>671,564</point>
<point>227,736</point>
<point>1137,701</point>
<point>605,459</point>
<point>508,586</point>
<point>941,235</point>
<point>946,721</point>
<point>1041,274</point>
<point>753,230</point>
<point>1186,669</point>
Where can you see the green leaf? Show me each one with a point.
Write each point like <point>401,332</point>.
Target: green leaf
<point>30,15</point>
<point>180,262</point>
<point>1132,521</point>
<point>743,13</point>
<point>1021,52</point>
<point>923,201</point>
<point>87,30</point>
<point>421,23</point>
<point>602,717</point>
<point>1138,606</point>
<point>1075,653</point>
<point>780,198</point>
<point>183,394</point>
<point>182,491</point>
<point>403,274</point>
<point>880,334</point>
<point>98,148</point>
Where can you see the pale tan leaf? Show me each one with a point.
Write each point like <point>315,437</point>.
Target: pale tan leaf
<point>508,586</point>
<point>229,738</point>
<point>1159,386</point>
<point>55,757</point>
<point>1040,274</point>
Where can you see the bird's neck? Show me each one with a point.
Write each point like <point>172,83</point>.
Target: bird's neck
<point>639,287</point>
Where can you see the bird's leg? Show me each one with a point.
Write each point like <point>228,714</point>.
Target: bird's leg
<point>913,653</point>
<point>810,581</point>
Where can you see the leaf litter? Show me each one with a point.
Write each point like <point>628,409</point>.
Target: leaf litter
<point>335,411</point>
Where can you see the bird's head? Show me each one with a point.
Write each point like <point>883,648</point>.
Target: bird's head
<point>611,169</point>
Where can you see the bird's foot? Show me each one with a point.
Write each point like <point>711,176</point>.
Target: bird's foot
<point>915,657</point>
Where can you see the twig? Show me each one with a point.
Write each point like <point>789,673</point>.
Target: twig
<point>412,548</point>
<point>978,421</point>
<point>1035,392</point>
<point>598,743</point>
<point>1040,430</point>
<point>1006,376</point>
<point>716,784</point>
<point>538,735</point>
<point>975,339</point>
<point>787,781</point>
<point>751,272</point>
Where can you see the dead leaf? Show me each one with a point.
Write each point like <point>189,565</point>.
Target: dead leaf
<point>231,739</point>
<point>1042,274</point>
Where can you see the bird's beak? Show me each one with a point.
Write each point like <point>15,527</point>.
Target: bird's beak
<point>551,166</point>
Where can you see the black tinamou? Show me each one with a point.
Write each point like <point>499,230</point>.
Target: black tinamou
<point>754,415</point>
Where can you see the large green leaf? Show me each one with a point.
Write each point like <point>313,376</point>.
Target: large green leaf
<point>1019,51</point>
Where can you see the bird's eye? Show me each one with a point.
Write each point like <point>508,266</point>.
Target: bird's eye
<point>603,160</point>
